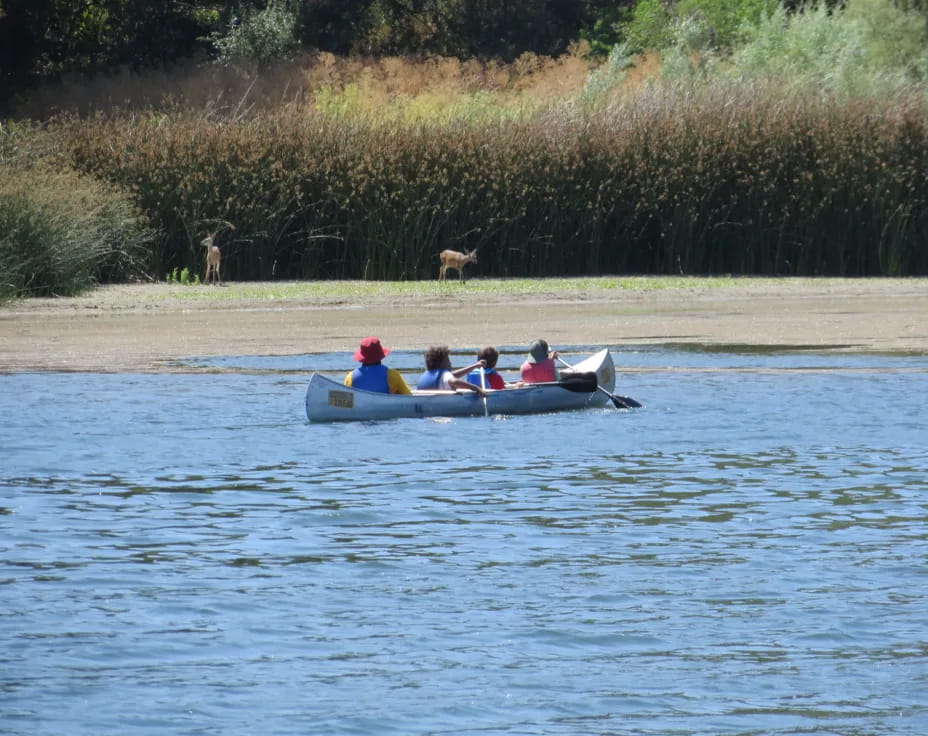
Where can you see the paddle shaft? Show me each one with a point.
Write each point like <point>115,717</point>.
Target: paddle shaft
<point>483,385</point>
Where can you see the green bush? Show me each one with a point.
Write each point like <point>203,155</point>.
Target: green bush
<point>868,47</point>
<point>262,36</point>
<point>60,231</point>
<point>696,24</point>
<point>650,26</point>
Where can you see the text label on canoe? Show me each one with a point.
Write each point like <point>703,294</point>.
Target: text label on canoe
<point>341,399</point>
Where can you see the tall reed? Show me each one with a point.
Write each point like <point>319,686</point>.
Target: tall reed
<point>719,179</point>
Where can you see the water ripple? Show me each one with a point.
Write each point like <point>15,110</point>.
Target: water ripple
<point>203,561</point>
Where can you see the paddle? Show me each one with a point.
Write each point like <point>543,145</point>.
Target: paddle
<point>619,402</point>
<point>579,383</point>
<point>483,385</point>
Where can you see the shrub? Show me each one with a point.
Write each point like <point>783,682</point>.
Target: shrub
<point>61,231</point>
<point>261,36</point>
<point>698,24</point>
<point>866,48</point>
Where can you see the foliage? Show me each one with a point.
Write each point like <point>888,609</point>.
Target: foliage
<point>866,47</point>
<point>800,149</point>
<point>40,40</point>
<point>603,81</point>
<point>468,28</point>
<point>717,24</point>
<point>605,30</point>
<point>51,40</point>
<point>43,40</point>
<point>60,231</point>
<point>650,26</point>
<point>726,178</point>
<point>262,36</point>
<point>183,276</point>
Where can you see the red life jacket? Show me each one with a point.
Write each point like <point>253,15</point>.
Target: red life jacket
<point>542,372</point>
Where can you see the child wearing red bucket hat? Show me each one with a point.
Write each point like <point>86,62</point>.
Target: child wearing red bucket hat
<point>371,375</point>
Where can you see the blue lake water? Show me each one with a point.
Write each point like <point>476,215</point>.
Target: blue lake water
<point>748,554</point>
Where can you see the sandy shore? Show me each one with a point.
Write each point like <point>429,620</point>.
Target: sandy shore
<point>148,327</point>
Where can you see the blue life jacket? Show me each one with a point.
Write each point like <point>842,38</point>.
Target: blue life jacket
<point>474,377</point>
<point>430,380</point>
<point>371,378</point>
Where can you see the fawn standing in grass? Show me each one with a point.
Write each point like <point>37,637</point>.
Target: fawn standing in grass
<point>454,259</point>
<point>213,258</point>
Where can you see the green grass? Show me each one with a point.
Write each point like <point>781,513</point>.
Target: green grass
<point>367,291</point>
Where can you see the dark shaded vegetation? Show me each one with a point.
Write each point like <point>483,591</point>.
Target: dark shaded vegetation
<point>42,41</point>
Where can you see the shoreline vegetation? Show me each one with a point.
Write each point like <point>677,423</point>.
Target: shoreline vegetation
<point>156,327</point>
<point>780,154</point>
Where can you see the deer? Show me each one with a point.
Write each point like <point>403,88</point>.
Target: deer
<point>456,260</point>
<point>213,258</point>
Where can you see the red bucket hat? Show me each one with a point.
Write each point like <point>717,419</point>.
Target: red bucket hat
<point>371,351</point>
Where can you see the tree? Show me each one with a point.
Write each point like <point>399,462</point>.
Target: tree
<point>658,24</point>
<point>333,25</point>
<point>263,36</point>
<point>468,28</point>
<point>42,39</point>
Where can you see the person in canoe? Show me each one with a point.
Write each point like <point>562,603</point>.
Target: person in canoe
<point>372,375</point>
<point>439,376</point>
<point>490,378</point>
<point>540,365</point>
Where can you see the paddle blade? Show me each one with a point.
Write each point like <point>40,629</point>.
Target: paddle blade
<point>579,382</point>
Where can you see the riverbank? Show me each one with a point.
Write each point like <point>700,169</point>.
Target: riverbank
<point>150,327</point>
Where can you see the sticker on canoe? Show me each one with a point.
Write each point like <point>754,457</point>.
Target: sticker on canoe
<point>341,399</point>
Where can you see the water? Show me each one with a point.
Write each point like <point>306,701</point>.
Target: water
<point>185,554</point>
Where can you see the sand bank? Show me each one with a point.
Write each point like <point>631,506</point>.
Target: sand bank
<point>149,327</point>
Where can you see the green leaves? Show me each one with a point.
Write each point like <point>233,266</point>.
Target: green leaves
<point>262,36</point>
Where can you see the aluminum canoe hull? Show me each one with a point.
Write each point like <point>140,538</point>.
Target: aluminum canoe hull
<point>330,401</point>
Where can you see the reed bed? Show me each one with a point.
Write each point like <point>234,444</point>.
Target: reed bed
<point>723,179</point>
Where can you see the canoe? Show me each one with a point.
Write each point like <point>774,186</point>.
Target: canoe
<point>331,401</point>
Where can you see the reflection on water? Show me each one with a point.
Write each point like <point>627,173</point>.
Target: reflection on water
<point>186,554</point>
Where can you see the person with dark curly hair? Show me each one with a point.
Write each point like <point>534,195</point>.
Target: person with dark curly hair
<point>439,376</point>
